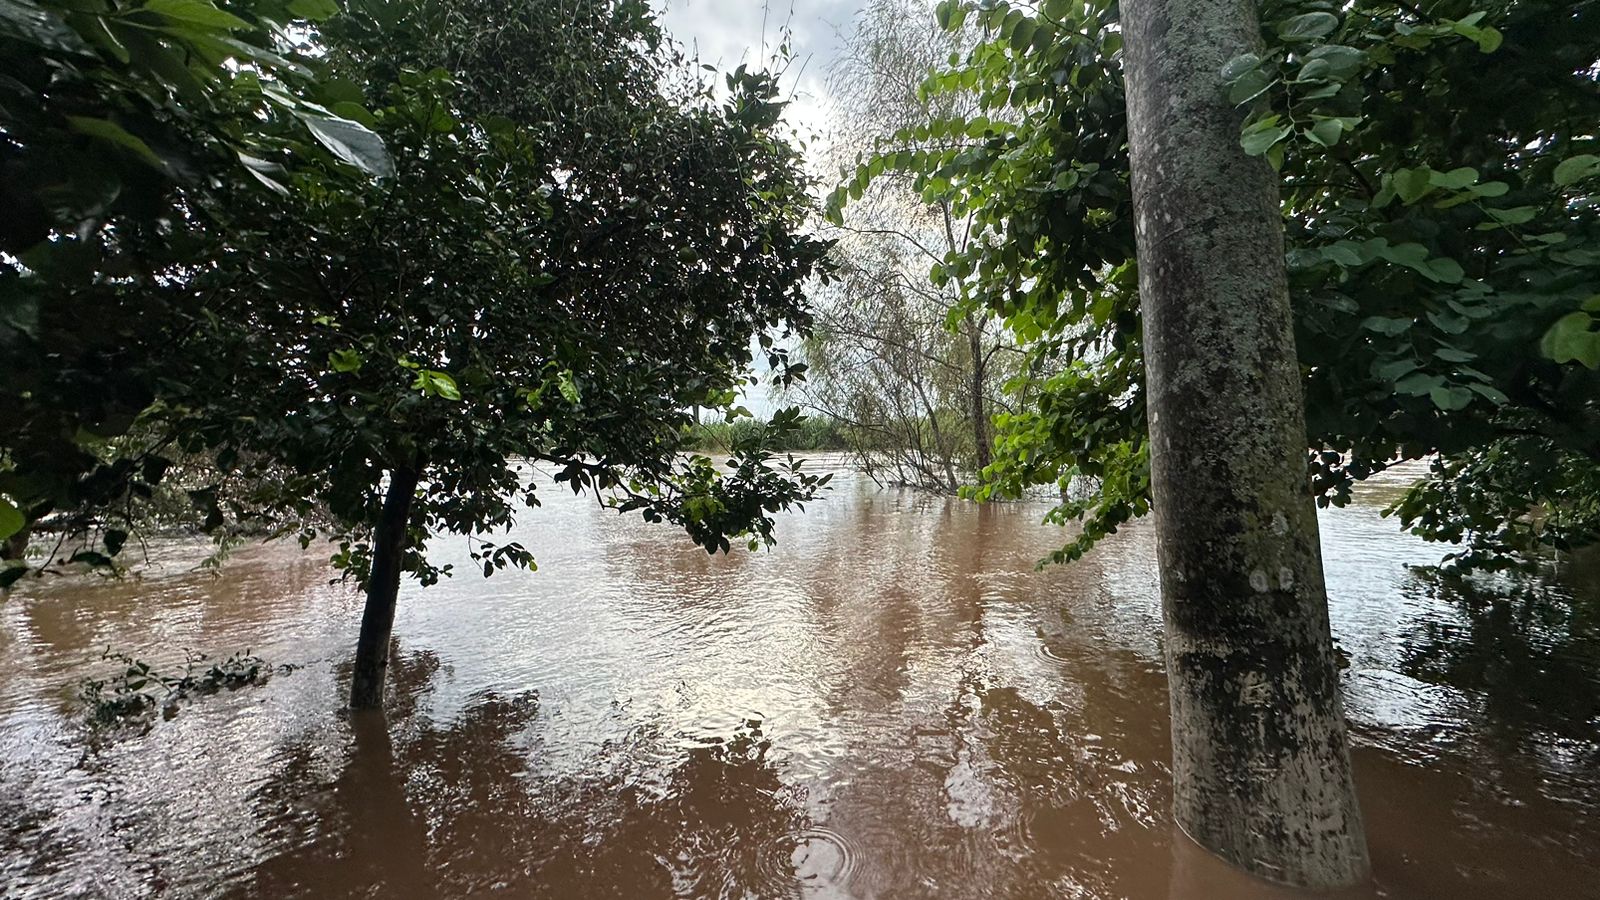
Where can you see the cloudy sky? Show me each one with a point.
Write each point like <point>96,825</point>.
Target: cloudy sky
<point>726,33</point>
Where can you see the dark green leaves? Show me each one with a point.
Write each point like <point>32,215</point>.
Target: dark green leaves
<point>111,132</point>
<point>1439,256</point>
<point>1331,62</point>
<point>196,12</point>
<point>436,384</point>
<point>1248,86</point>
<point>1574,169</point>
<point>25,21</point>
<point>345,360</point>
<point>1260,136</point>
<point>1307,27</point>
<point>314,10</point>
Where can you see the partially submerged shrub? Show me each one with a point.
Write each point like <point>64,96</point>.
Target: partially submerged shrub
<point>139,691</point>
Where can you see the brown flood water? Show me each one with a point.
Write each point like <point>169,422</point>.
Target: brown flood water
<point>891,704</point>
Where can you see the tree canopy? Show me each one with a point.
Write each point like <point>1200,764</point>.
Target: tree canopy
<point>1442,230</point>
<point>541,241</point>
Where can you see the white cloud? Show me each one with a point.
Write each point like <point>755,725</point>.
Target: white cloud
<point>728,33</point>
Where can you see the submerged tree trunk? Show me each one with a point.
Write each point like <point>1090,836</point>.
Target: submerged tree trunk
<point>383,586</point>
<point>1261,765</point>
<point>980,415</point>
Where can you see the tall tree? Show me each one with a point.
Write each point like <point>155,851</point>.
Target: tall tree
<point>1443,234</point>
<point>911,371</point>
<point>1261,765</point>
<point>566,260</point>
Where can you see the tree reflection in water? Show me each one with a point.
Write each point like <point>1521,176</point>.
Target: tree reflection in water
<point>1527,650</point>
<point>424,809</point>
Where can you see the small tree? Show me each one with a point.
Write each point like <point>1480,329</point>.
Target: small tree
<point>570,246</point>
<point>536,282</point>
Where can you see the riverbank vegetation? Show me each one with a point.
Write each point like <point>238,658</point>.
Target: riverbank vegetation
<point>343,273</point>
<point>1144,187</point>
<point>1441,243</point>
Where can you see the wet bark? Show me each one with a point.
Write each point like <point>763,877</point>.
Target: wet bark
<point>383,587</point>
<point>980,414</point>
<point>1261,766</point>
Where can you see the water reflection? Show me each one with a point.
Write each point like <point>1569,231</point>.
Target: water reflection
<point>1527,647</point>
<point>427,809</point>
<point>892,704</point>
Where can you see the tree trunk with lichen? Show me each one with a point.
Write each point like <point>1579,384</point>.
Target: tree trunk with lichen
<point>383,591</point>
<point>1261,764</point>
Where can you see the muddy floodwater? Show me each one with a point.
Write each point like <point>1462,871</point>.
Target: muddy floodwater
<point>891,704</point>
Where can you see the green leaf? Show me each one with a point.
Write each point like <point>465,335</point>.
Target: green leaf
<point>1239,65</point>
<point>1393,369</point>
<point>1444,270</point>
<point>436,384</point>
<point>315,10</point>
<point>568,387</point>
<point>1570,340</point>
<point>1450,398</point>
<point>1410,255</point>
<point>1413,184</point>
<point>1022,35</point>
<point>1455,179</point>
<point>1387,325</point>
<point>1417,384</point>
<point>1494,394</point>
<point>1574,169</point>
<point>107,130</point>
<point>1334,62</point>
<point>1307,26</point>
<point>1451,354</point>
<point>195,12</point>
<point>355,112</point>
<point>1449,323</point>
<point>1346,254</point>
<point>1515,215</point>
<point>1326,132</point>
<point>1249,86</point>
<point>351,142</point>
<point>1259,138</point>
<point>262,171</point>
<point>11,519</point>
<point>345,360</point>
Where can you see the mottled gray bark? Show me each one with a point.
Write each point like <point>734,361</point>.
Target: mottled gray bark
<point>383,590</point>
<point>1261,765</point>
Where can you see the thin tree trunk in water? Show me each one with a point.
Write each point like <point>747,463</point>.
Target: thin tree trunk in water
<point>383,586</point>
<point>980,415</point>
<point>1261,764</point>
